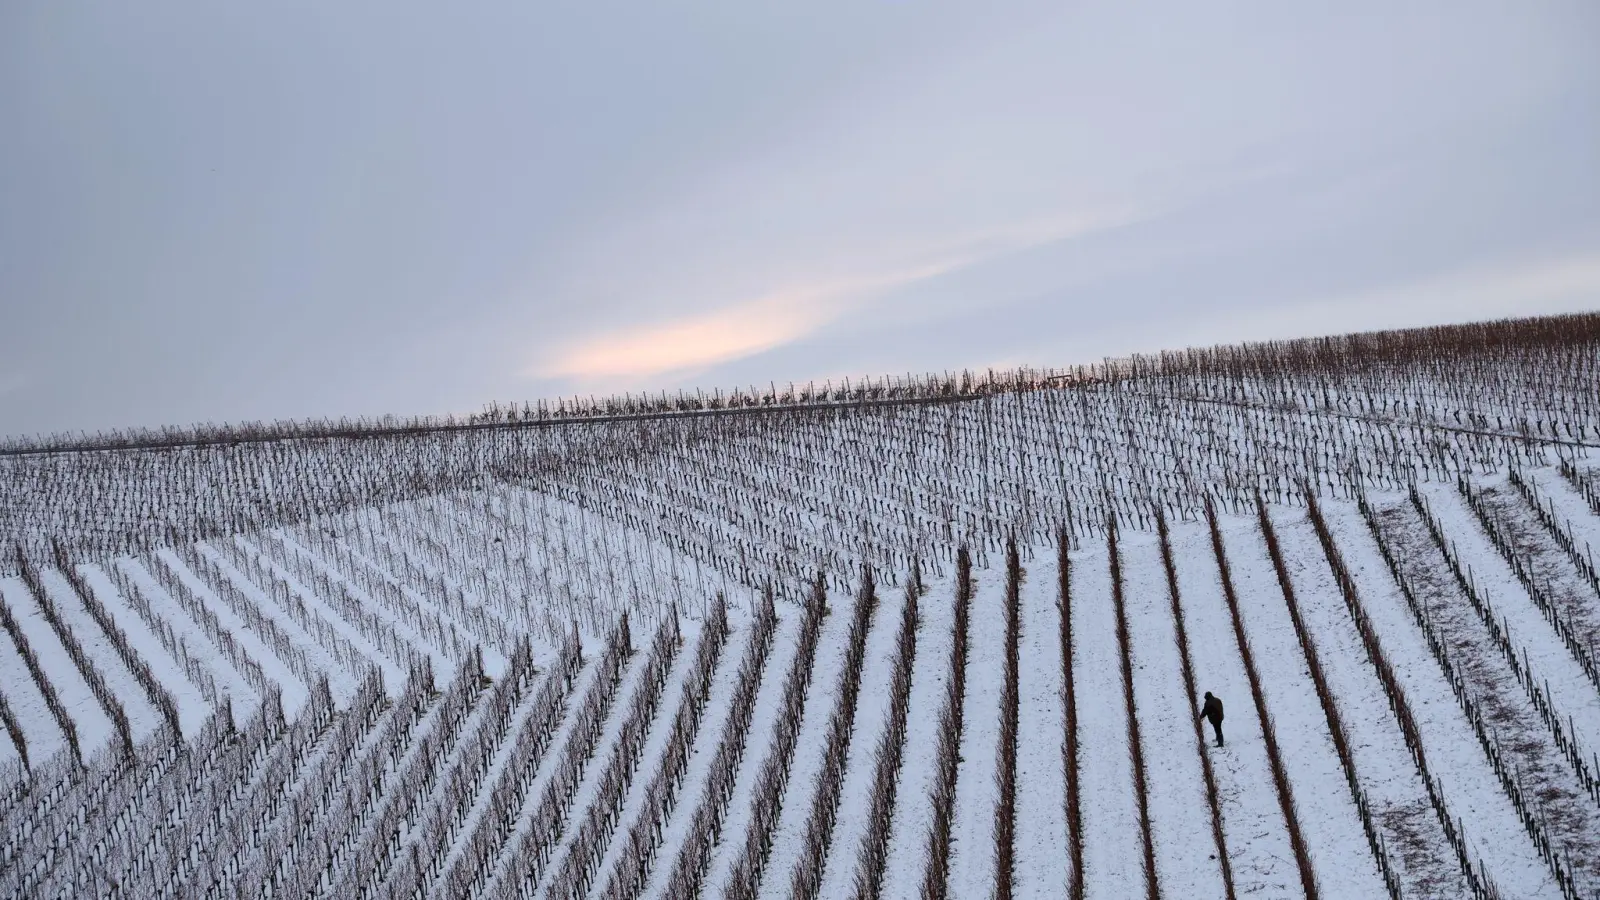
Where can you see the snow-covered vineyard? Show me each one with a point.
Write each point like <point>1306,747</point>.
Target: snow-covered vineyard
<point>935,638</point>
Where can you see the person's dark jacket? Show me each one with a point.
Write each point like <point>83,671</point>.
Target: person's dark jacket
<point>1212,710</point>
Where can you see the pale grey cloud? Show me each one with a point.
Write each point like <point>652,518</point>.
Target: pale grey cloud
<point>307,209</point>
<point>1499,289</point>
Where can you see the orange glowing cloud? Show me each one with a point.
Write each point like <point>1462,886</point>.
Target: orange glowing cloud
<point>703,340</point>
<point>727,334</point>
<point>745,329</point>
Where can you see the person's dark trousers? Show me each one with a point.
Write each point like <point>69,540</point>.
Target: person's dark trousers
<point>1216,725</point>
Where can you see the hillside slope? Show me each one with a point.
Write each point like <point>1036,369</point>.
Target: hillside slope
<point>938,638</point>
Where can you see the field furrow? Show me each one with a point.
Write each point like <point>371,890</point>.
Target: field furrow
<point>1042,860</point>
<point>1110,812</point>
<point>1258,844</point>
<point>767,713</point>
<point>908,854</point>
<point>869,725</point>
<point>1325,810</point>
<point>1180,819</point>
<point>972,856</point>
<point>810,748</point>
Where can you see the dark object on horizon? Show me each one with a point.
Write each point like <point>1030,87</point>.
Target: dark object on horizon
<point>1213,711</point>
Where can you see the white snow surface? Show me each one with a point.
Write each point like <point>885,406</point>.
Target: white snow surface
<point>477,565</point>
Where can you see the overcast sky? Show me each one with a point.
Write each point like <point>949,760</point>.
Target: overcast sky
<point>222,211</point>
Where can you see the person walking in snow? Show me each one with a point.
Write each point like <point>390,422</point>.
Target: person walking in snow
<point>1213,711</point>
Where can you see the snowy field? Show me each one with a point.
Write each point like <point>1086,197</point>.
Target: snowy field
<point>952,647</point>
